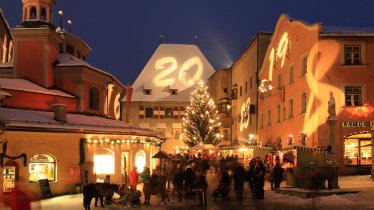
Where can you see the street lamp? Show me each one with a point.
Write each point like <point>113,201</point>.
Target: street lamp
<point>70,23</point>
<point>60,13</point>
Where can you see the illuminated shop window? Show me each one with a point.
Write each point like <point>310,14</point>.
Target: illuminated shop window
<point>149,112</point>
<point>290,75</point>
<point>169,113</point>
<point>304,65</point>
<point>356,152</point>
<point>303,102</point>
<point>94,99</point>
<point>104,162</point>
<point>140,160</point>
<point>42,166</point>
<point>290,109</point>
<point>352,54</point>
<point>353,95</point>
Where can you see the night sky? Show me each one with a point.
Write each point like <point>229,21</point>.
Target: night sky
<point>123,34</point>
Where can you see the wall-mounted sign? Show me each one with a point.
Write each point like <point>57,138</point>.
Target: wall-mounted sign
<point>358,124</point>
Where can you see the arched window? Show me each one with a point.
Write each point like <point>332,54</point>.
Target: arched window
<point>33,13</point>
<point>42,166</point>
<point>43,15</point>
<point>94,99</point>
<point>140,160</point>
<point>104,161</point>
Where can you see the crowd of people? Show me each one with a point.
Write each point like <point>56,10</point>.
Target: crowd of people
<point>187,177</point>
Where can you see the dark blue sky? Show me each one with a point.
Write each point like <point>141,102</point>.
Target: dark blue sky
<point>123,34</point>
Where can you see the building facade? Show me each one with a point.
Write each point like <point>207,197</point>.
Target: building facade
<point>314,90</point>
<point>59,115</point>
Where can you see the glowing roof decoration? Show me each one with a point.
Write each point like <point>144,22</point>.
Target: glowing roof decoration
<point>172,66</point>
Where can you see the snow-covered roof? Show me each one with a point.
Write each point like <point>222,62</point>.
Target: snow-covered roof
<point>30,119</point>
<point>27,86</point>
<point>347,31</point>
<point>65,60</point>
<point>172,67</point>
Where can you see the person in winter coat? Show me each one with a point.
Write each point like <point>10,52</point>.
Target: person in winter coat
<point>134,176</point>
<point>145,176</point>
<point>189,178</point>
<point>278,173</point>
<point>178,181</point>
<point>259,179</point>
<point>239,174</point>
<point>251,170</point>
<point>202,186</point>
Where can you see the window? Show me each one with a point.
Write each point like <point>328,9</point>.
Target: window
<point>278,113</point>
<point>240,91</point>
<point>169,112</point>
<point>250,83</point>
<point>289,47</point>
<point>352,54</point>
<point>303,103</point>
<point>304,65</point>
<point>246,87</point>
<point>149,112</point>
<point>42,166</point>
<point>226,134</point>
<point>94,99</point>
<point>43,14</point>
<point>353,96</point>
<point>225,90</point>
<point>284,113</point>
<point>290,109</point>
<point>104,161</point>
<point>224,108</point>
<point>147,91</point>
<point>33,13</point>
<point>355,149</point>
<point>173,91</point>
<point>269,118</point>
<point>234,93</point>
<point>290,75</point>
<point>140,160</point>
<point>279,81</point>
<point>261,120</point>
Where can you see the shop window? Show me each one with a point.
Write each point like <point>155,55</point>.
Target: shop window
<point>140,160</point>
<point>353,96</point>
<point>42,166</point>
<point>352,55</point>
<point>104,161</point>
<point>149,112</point>
<point>169,112</point>
<point>357,152</point>
<point>10,175</point>
<point>94,99</point>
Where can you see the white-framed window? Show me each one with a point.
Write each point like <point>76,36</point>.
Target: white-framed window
<point>304,65</point>
<point>352,55</point>
<point>290,74</point>
<point>353,95</point>
<point>303,102</point>
<point>290,109</point>
<point>42,166</point>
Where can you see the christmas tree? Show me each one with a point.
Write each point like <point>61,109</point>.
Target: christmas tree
<point>201,123</point>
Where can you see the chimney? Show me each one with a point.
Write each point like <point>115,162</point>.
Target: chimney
<point>60,112</point>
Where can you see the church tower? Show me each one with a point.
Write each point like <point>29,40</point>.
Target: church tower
<point>38,10</point>
<point>36,43</point>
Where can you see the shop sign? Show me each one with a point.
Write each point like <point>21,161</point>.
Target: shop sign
<point>358,124</point>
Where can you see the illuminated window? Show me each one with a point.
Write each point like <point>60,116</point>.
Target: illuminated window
<point>357,149</point>
<point>94,99</point>
<point>124,162</point>
<point>353,96</point>
<point>290,108</point>
<point>224,108</point>
<point>140,160</point>
<point>149,112</point>
<point>352,54</point>
<point>290,75</point>
<point>169,112</point>
<point>261,120</point>
<point>304,65</point>
<point>104,161</point>
<point>278,113</point>
<point>268,118</point>
<point>42,166</point>
<point>303,102</point>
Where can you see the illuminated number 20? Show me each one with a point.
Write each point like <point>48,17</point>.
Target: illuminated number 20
<point>160,80</point>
